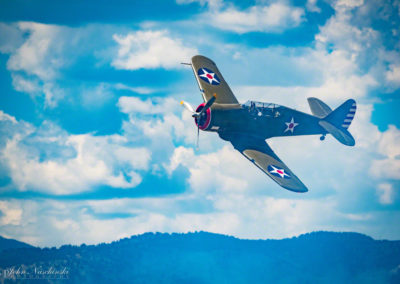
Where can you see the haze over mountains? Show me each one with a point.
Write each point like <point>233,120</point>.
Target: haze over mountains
<point>201,257</point>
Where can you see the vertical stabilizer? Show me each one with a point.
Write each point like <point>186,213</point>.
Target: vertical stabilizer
<point>339,120</point>
<point>318,107</point>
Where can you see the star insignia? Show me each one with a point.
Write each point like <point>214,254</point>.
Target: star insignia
<point>291,125</point>
<point>278,171</point>
<point>208,76</point>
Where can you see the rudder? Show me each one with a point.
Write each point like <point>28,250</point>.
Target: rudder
<point>343,115</point>
<point>339,120</point>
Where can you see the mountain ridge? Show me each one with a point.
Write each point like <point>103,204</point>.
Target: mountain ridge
<point>203,257</point>
<point>6,243</point>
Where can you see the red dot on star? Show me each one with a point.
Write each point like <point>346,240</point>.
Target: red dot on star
<point>209,76</point>
<point>280,172</point>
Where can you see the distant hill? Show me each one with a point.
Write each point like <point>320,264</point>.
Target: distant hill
<point>320,257</point>
<point>12,244</point>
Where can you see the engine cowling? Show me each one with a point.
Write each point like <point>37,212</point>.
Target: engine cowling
<point>203,122</point>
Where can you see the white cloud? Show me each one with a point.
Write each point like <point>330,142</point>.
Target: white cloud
<point>36,62</point>
<point>139,90</point>
<point>386,168</point>
<point>96,160</point>
<point>150,49</point>
<point>233,213</point>
<point>273,18</point>
<point>332,76</point>
<point>349,3</point>
<point>389,144</point>
<point>312,6</point>
<point>11,214</point>
<point>222,170</point>
<point>6,117</point>
<point>385,192</point>
<point>160,119</point>
<point>33,56</point>
<point>149,106</point>
<point>349,38</point>
<point>23,84</point>
<point>389,166</point>
<point>393,75</point>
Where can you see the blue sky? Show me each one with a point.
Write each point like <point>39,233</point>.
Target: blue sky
<point>94,145</point>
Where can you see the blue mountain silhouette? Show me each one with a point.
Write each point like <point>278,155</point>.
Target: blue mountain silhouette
<point>201,257</point>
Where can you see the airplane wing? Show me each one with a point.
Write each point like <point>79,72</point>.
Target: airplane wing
<point>211,82</point>
<point>259,153</point>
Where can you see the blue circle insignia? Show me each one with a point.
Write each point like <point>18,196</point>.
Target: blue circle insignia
<point>208,76</point>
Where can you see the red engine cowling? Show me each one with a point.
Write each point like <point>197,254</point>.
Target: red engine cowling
<point>203,122</point>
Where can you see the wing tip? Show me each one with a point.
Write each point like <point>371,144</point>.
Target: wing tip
<point>201,57</point>
<point>303,189</point>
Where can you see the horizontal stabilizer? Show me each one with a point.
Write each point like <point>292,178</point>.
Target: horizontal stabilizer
<point>318,107</point>
<point>341,134</point>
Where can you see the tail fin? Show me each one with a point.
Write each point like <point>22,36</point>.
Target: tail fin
<point>338,121</point>
<point>344,114</point>
<point>318,107</point>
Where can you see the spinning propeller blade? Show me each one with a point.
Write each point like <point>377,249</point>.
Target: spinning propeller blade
<point>199,114</point>
<point>187,106</point>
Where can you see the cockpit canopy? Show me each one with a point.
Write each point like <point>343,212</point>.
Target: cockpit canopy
<point>262,109</point>
<point>255,104</point>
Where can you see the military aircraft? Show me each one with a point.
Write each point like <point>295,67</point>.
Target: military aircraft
<point>248,125</point>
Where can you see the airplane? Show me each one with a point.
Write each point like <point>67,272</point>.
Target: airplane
<point>247,126</point>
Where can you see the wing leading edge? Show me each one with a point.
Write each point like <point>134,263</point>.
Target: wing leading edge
<point>259,153</point>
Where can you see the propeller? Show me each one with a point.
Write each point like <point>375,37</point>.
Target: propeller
<point>187,106</point>
<point>199,114</point>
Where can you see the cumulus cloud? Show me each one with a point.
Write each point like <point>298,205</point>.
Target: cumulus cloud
<point>6,117</point>
<point>339,31</point>
<point>393,75</point>
<point>22,84</point>
<point>38,58</point>
<point>40,55</point>
<point>150,49</point>
<point>11,213</point>
<point>389,166</point>
<point>275,17</point>
<point>161,119</point>
<point>79,163</point>
<point>33,56</point>
<point>234,213</point>
<point>222,170</point>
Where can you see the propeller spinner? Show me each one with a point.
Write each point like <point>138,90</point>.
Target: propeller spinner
<point>202,115</point>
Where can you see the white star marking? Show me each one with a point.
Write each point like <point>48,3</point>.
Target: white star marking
<point>280,172</point>
<point>209,76</point>
<point>291,125</point>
